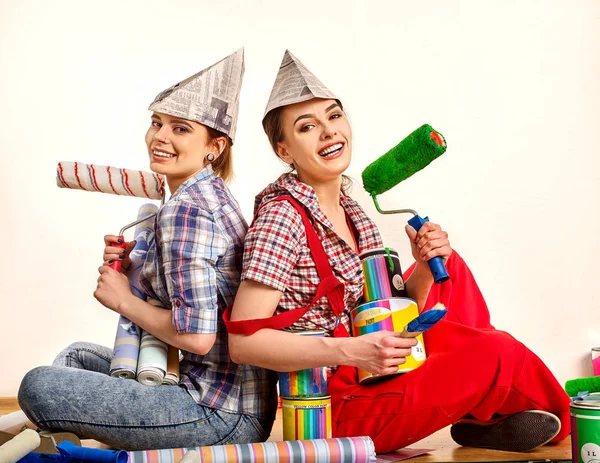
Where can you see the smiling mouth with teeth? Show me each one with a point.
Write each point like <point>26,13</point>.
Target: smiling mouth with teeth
<point>331,150</point>
<point>162,154</point>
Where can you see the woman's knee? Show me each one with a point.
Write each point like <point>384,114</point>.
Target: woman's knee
<point>33,390</point>
<point>85,356</point>
<point>69,352</point>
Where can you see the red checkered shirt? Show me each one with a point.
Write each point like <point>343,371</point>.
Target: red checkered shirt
<point>276,252</point>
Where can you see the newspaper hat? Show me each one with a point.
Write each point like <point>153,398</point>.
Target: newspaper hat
<point>295,83</point>
<point>210,97</point>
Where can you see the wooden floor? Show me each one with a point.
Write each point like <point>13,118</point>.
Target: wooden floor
<point>444,448</point>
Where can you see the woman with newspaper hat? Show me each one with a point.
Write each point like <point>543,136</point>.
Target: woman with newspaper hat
<point>494,391</point>
<point>191,274</point>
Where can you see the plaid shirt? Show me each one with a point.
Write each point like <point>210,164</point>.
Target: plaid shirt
<point>193,268</point>
<point>276,252</point>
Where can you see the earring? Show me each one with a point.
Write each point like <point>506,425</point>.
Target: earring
<point>210,157</point>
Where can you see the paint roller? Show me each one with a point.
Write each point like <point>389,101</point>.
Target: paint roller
<point>113,180</point>
<point>575,387</point>
<point>19,446</point>
<point>408,157</point>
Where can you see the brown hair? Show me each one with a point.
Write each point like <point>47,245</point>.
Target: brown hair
<point>223,165</point>
<point>273,126</point>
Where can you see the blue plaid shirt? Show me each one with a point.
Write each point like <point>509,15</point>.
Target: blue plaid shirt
<point>193,268</point>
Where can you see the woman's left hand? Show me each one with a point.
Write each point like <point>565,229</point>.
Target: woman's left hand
<point>113,288</point>
<point>430,241</point>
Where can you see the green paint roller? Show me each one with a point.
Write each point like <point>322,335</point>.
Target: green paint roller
<point>408,157</point>
<point>574,387</point>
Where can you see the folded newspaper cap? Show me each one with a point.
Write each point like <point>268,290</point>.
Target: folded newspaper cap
<point>294,83</point>
<point>211,97</point>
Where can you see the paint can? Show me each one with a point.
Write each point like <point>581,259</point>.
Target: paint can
<point>311,382</point>
<point>596,361</point>
<point>306,418</point>
<point>585,428</point>
<point>390,315</point>
<point>382,274</point>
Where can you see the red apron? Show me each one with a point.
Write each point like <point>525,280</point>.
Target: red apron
<point>471,369</point>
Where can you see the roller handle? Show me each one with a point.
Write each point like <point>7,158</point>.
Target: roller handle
<point>116,265</point>
<point>436,265</point>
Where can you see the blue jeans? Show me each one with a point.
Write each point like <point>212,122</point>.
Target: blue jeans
<point>78,395</point>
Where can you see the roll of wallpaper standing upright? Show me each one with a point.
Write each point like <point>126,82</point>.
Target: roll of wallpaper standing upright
<point>172,375</point>
<point>152,364</point>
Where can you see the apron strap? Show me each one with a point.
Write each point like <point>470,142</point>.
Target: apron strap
<point>329,286</point>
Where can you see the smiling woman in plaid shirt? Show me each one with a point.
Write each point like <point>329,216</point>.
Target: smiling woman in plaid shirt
<point>493,390</point>
<point>192,270</point>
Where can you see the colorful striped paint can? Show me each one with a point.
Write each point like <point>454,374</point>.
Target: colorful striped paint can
<point>382,274</point>
<point>585,429</point>
<point>307,418</point>
<point>311,382</point>
<point>371,317</point>
<point>388,315</point>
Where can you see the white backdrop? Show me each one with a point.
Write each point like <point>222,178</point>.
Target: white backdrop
<point>512,85</point>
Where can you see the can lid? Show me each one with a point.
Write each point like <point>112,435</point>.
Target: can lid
<point>388,303</point>
<point>377,252</point>
<point>588,401</point>
<point>307,332</point>
<point>313,398</point>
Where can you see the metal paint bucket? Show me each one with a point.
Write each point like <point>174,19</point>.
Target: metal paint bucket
<point>390,315</point>
<point>596,361</point>
<point>311,382</point>
<point>307,418</point>
<point>382,274</point>
<point>585,429</point>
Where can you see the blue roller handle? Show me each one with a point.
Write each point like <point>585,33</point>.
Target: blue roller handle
<point>436,265</point>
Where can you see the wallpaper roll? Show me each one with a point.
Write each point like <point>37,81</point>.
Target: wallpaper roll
<point>172,374</point>
<point>127,340</point>
<point>340,450</point>
<point>19,446</point>
<point>152,363</point>
<point>126,351</point>
<point>144,237</point>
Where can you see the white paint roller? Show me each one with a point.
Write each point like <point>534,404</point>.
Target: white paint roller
<point>19,446</point>
<point>106,179</point>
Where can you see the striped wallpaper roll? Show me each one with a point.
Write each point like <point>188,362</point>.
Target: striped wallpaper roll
<point>126,351</point>
<point>340,450</point>
<point>152,363</point>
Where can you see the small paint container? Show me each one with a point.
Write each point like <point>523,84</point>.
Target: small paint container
<point>388,315</point>
<point>382,274</point>
<point>585,428</point>
<point>596,361</point>
<point>306,418</point>
<point>311,382</point>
